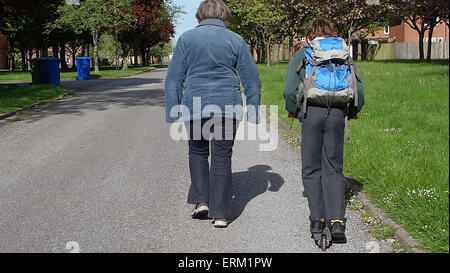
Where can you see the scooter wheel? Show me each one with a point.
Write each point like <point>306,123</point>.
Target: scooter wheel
<point>323,242</point>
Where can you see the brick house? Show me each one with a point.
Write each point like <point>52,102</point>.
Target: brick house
<point>400,41</point>
<point>4,48</point>
<point>403,33</point>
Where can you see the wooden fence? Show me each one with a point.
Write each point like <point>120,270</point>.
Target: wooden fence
<point>388,51</point>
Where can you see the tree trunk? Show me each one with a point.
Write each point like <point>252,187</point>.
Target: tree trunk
<point>125,57</point>
<point>290,55</point>
<point>24,61</point>
<point>13,63</point>
<point>143,57</point>
<point>62,56</point>
<point>355,50</point>
<point>430,37</point>
<point>276,54</point>
<point>95,42</point>
<point>74,54</point>
<point>364,47</point>
<point>268,52</point>
<point>44,50</point>
<point>30,56</point>
<point>259,52</point>
<point>421,47</point>
<point>125,63</point>
<point>88,51</point>
<point>116,49</point>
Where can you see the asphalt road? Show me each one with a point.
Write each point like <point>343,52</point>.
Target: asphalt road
<point>99,172</point>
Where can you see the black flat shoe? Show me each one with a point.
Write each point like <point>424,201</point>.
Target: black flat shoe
<point>338,233</point>
<point>317,226</point>
<point>200,212</point>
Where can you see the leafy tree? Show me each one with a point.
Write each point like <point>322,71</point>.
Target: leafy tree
<point>120,17</point>
<point>153,24</point>
<point>436,13</point>
<point>161,50</point>
<point>23,22</point>
<point>95,16</point>
<point>353,15</point>
<point>258,20</point>
<point>298,14</point>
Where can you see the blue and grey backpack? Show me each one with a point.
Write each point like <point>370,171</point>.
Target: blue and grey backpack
<point>330,74</point>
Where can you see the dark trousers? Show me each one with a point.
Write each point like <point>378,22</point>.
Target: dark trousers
<point>212,185</point>
<point>322,162</point>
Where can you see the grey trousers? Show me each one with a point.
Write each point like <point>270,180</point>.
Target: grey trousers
<point>212,184</point>
<point>322,162</point>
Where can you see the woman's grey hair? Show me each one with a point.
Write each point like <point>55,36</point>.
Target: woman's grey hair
<point>213,9</point>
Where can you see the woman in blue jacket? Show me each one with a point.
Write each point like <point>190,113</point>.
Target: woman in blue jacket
<point>203,90</point>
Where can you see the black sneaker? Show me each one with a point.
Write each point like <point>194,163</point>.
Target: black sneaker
<point>338,232</point>
<point>201,211</point>
<point>317,225</point>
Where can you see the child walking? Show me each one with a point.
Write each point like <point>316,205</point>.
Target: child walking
<point>331,91</point>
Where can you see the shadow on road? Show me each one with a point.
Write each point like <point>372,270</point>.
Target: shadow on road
<point>108,84</point>
<point>99,95</point>
<point>248,185</point>
<point>352,187</point>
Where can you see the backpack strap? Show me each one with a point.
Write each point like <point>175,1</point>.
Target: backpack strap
<point>303,64</point>
<point>308,83</point>
<point>353,82</point>
<point>352,65</point>
<point>355,76</point>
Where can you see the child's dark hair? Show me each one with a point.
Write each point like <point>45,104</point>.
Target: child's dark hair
<point>320,28</point>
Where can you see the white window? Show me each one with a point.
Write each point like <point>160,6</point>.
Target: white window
<point>433,40</point>
<point>440,39</point>
<point>386,30</point>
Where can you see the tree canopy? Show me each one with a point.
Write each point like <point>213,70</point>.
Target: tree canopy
<point>138,25</point>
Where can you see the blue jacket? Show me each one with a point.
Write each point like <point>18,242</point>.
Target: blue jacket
<point>208,64</point>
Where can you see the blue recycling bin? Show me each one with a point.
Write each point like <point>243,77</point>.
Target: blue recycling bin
<point>83,68</point>
<point>45,71</point>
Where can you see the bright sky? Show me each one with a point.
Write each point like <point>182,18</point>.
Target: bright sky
<point>186,21</point>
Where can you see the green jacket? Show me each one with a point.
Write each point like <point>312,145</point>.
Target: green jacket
<point>294,99</point>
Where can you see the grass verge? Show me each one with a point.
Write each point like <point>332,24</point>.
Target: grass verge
<point>13,97</point>
<point>105,72</point>
<point>400,145</point>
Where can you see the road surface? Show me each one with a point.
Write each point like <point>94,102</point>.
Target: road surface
<point>99,172</point>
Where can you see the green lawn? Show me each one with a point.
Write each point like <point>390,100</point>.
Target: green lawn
<point>400,145</point>
<point>104,72</point>
<point>14,96</point>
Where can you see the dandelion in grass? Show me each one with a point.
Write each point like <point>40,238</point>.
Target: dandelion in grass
<point>393,130</point>
<point>389,200</point>
<point>430,194</point>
